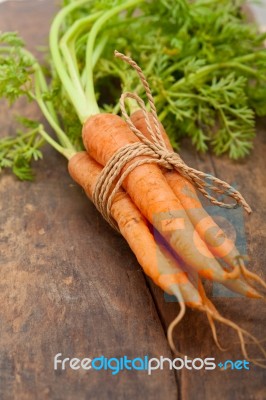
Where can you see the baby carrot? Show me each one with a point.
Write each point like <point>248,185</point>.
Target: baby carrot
<point>217,241</point>
<point>154,259</point>
<point>103,136</point>
<point>156,263</point>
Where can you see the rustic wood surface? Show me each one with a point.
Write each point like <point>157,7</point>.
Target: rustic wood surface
<point>70,285</point>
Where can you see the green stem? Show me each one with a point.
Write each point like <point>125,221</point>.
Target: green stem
<point>98,50</point>
<point>47,107</point>
<point>39,143</point>
<point>213,103</point>
<point>214,67</point>
<point>163,114</point>
<point>67,47</point>
<point>250,57</point>
<point>116,108</point>
<point>68,153</point>
<point>79,26</point>
<point>44,89</point>
<point>10,141</point>
<point>189,95</point>
<point>79,101</point>
<point>244,68</point>
<point>64,140</point>
<point>225,123</point>
<point>238,115</point>
<point>96,55</point>
<point>90,92</point>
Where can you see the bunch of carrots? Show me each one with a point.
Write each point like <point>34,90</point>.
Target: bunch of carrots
<point>152,201</point>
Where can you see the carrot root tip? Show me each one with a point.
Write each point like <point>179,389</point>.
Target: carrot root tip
<point>176,291</point>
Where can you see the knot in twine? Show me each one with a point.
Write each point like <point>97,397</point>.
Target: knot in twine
<point>153,151</point>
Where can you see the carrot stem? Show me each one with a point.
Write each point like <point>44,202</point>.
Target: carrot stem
<point>89,90</point>
<point>76,95</point>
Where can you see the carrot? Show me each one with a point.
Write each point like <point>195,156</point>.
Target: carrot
<point>156,262</point>
<point>208,230</point>
<point>103,135</point>
<point>217,241</point>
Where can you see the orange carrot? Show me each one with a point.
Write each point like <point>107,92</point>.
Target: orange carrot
<point>103,135</point>
<point>208,230</point>
<point>155,260</point>
<point>217,241</point>
<point>156,263</point>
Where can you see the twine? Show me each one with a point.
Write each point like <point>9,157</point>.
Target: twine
<point>154,151</point>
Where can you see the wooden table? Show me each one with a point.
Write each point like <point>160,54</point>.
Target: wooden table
<point>70,285</point>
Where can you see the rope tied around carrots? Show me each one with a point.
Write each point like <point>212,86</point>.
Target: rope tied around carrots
<point>156,152</point>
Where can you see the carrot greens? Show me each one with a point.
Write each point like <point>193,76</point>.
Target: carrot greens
<point>206,65</point>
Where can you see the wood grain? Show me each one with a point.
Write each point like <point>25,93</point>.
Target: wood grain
<point>70,285</point>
